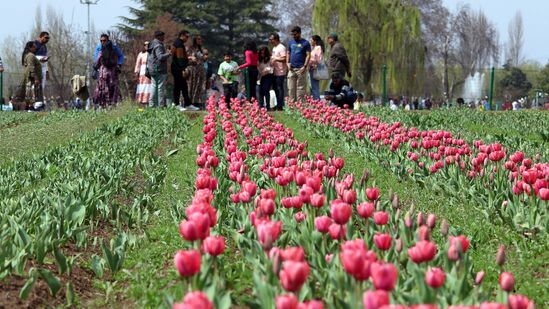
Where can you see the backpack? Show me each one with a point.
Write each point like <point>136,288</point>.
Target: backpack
<point>109,57</point>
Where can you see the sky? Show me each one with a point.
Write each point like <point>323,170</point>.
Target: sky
<point>19,18</point>
<point>501,12</point>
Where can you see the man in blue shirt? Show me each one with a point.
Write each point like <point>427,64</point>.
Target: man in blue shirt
<point>297,60</point>
<point>42,55</point>
<point>104,38</point>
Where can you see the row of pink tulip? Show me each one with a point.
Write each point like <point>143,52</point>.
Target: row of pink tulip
<point>314,236</point>
<point>492,176</point>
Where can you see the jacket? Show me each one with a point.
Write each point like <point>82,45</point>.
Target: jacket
<point>158,58</point>
<point>338,61</point>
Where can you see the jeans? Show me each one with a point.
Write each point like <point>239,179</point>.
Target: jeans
<point>297,83</point>
<point>160,82</point>
<point>279,90</point>
<point>230,91</point>
<point>265,85</point>
<point>252,82</point>
<point>180,86</point>
<point>315,86</point>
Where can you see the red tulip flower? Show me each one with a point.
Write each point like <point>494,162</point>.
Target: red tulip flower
<point>340,212</point>
<point>293,275</point>
<point>384,276</point>
<point>214,245</point>
<point>312,304</point>
<point>462,239</point>
<point>318,200</point>
<point>288,301</point>
<point>372,193</point>
<point>383,241</point>
<point>323,223</point>
<point>435,277</point>
<point>375,299</point>
<point>187,262</point>
<point>381,217</point>
<point>506,281</point>
<point>194,300</point>
<point>422,251</point>
<point>268,232</point>
<point>365,210</point>
<point>518,301</point>
<point>337,231</point>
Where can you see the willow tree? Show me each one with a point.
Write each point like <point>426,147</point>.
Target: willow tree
<point>376,33</point>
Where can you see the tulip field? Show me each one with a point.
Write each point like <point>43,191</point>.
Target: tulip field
<point>313,207</point>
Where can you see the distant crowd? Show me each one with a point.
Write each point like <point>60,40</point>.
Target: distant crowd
<point>265,75</point>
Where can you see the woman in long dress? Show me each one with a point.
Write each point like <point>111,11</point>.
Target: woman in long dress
<point>30,90</point>
<point>107,91</point>
<point>143,91</point>
<point>197,72</point>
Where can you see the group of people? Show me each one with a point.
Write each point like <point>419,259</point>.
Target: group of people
<point>29,93</point>
<point>190,68</point>
<point>266,69</point>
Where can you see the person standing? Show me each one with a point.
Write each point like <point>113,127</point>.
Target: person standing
<point>250,55</point>
<point>228,72</point>
<point>42,55</point>
<point>197,73</point>
<point>266,73</point>
<point>180,62</point>
<point>157,64</point>
<point>143,92</point>
<point>210,78</point>
<point>280,69</point>
<point>30,90</point>
<point>317,56</point>
<point>297,60</point>
<point>338,61</point>
<point>107,91</point>
<point>104,38</point>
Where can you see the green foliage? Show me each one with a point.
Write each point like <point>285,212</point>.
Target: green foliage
<point>515,84</point>
<point>543,79</point>
<point>223,24</point>
<point>376,32</point>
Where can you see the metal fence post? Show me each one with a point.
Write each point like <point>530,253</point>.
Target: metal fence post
<point>384,69</point>
<point>491,87</point>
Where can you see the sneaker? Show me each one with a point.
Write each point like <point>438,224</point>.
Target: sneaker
<point>192,108</point>
<point>181,108</point>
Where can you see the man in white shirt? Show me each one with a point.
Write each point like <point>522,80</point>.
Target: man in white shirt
<point>280,69</point>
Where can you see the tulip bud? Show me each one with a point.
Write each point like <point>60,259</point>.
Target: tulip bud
<point>331,153</point>
<point>408,220</point>
<point>506,281</point>
<point>364,178</point>
<point>444,227</point>
<point>431,221</point>
<point>420,219</point>
<point>277,262</point>
<point>500,256</point>
<point>391,195</point>
<point>453,252</point>
<point>479,277</point>
<point>398,245</point>
<point>395,201</point>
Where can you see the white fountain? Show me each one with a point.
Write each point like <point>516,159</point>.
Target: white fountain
<point>472,87</point>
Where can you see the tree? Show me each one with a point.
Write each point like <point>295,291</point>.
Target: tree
<point>543,79</point>
<point>294,12</point>
<point>516,41</point>
<point>515,84</point>
<point>224,24</point>
<point>376,32</point>
<point>65,50</point>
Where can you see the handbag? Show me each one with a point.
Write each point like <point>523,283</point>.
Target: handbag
<point>321,72</point>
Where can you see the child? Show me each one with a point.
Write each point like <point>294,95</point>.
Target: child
<point>228,72</point>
